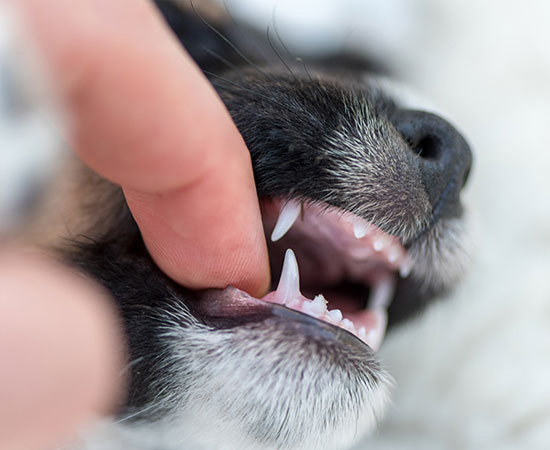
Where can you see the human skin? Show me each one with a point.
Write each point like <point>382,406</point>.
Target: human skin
<point>143,116</point>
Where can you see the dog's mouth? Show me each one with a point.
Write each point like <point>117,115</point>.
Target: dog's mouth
<point>349,267</point>
<point>335,267</point>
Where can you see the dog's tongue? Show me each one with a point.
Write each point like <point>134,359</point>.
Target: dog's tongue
<point>368,325</point>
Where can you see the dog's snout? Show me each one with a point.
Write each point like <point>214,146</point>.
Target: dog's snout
<point>443,156</point>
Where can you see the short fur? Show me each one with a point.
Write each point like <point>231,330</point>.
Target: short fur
<point>274,378</point>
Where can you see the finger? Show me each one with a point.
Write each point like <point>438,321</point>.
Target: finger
<point>60,350</point>
<point>144,116</point>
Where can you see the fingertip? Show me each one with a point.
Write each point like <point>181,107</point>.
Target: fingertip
<point>61,351</point>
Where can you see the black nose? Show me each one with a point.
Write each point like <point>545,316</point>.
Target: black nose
<point>444,157</point>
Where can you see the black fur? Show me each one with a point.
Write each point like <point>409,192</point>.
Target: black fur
<point>307,132</point>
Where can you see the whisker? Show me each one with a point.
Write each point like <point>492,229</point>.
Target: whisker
<point>219,58</point>
<point>262,51</point>
<point>300,60</point>
<point>279,55</point>
<point>137,413</point>
<point>227,41</point>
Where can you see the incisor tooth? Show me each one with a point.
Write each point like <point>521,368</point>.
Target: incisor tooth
<point>316,307</point>
<point>348,324</point>
<point>360,230</point>
<point>393,254</point>
<point>288,215</point>
<point>320,304</point>
<point>335,315</point>
<point>378,245</point>
<point>289,284</point>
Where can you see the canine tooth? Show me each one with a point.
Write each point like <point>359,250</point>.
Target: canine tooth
<point>376,335</point>
<point>288,215</point>
<point>382,292</point>
<point>362,332</point>
<point>360,230</point>
<point>335,315</point>
<point>289,284</point>
<point>317,307</point>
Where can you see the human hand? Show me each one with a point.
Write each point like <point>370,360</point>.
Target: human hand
<point>142,116</point>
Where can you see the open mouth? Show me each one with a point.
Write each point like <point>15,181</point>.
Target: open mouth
<point>349,268</point>
<point>336,268</point>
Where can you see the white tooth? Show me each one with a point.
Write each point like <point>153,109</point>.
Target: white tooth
<point>288,215</point>
<point>335,315</point>
<point>360,229</point>
<point>405,269</point>
<point>378,245</point>
<point>362,332</point>
<point>382,292</point>
<point>375,336</point>
<point>393,254</point>
<point>289,284</point>
<point>317,307</point>
<point>320,304</point>
<point>348,324</point>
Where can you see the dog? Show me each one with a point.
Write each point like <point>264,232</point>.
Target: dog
<point>361,206</point>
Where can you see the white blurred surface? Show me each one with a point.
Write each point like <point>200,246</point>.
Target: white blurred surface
<point>28,143</point>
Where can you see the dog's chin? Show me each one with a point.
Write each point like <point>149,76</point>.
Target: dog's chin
<point>257,374</point>
<point>296,381</point>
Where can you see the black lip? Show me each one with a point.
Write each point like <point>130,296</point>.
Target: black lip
<point>214,308</point>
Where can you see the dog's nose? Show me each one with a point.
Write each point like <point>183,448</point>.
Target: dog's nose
<point>443,155</point>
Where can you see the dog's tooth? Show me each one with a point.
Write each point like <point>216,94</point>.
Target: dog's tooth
<point>378,244</point>
<point>382,292</point>
<point>375,336</point>
<point>393,254</point>
<point>335,315</point>
<point>288,215</point>
<point>405,269</point>
<point>316,307</point>
<point>320,305</point>
<point>348,324</point>
<point>362,332</point>
<point>289,284</point>
<point>360,229</point>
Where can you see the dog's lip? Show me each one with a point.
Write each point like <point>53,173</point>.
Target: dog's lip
<point>233,304</point>
<point>235,307</point>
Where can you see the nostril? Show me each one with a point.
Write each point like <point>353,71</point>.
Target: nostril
<point>443,156</point>
<point>429,147</point>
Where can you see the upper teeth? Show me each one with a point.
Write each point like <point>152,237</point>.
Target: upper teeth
<point>288,215</point>
<point>360,229</point>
